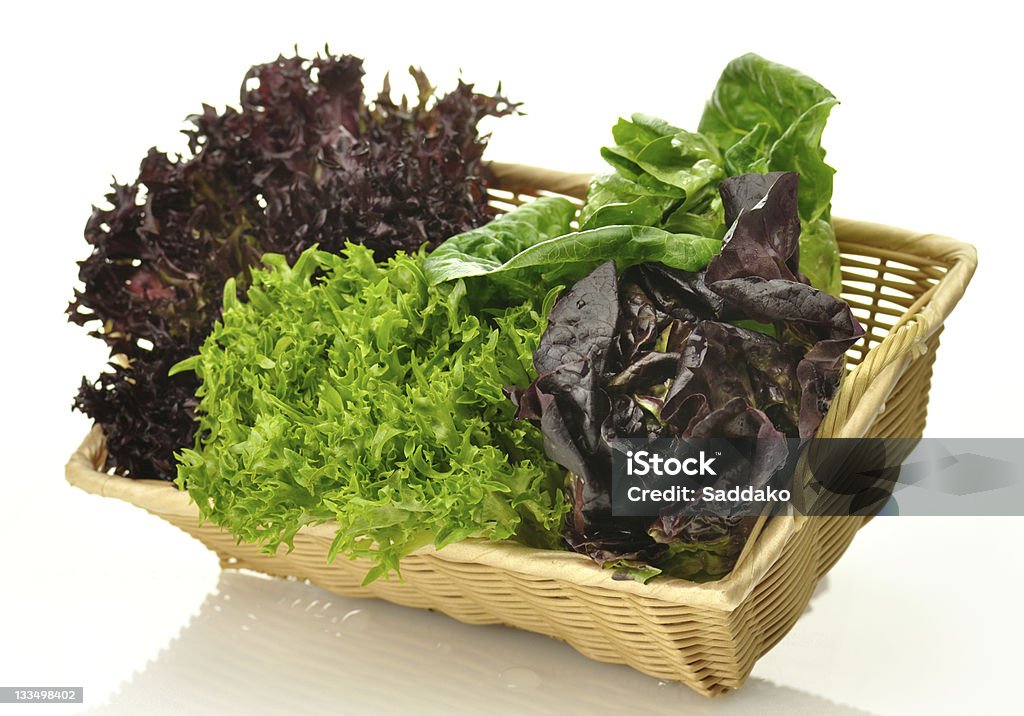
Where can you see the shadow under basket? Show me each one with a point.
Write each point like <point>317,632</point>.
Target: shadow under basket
<point>901,284</point>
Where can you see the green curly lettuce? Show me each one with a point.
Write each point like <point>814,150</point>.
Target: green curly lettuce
<point>355,392</point>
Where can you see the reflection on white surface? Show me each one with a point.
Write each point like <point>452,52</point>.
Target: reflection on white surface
<point>274,646</point>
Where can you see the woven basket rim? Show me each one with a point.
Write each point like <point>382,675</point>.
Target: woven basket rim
<point>867,385</point>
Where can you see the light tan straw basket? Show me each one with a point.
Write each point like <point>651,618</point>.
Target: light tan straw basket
<point>902,286</point>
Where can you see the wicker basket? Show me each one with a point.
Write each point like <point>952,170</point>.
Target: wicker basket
<point>902,286</point>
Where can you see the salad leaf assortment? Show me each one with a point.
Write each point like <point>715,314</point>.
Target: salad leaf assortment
<point>661,352</point>
<point>413,378</point>
<point>303,160</point>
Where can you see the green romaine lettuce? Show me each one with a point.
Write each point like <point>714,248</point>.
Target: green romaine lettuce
<point>489,248</point>
<point>614,199</point>
<point>761,118</point>
<point>661,172</point>
<point>563,258</point>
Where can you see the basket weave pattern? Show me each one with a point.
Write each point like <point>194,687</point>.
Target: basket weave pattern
<point>902,286</point>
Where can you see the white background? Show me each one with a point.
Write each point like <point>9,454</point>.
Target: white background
<point>920,615</point>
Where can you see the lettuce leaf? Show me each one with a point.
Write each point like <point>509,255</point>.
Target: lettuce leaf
<point>762,118</point>
<point>345,390</point>
<point>548,262</point>
<point>744,348</point>
<point>490,248</point>
<point>614,199</point>
<point>766,117</point>
<point>665,177</point>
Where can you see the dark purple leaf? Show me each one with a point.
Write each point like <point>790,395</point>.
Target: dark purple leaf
<point>582,324</point>
<point>764,237</point>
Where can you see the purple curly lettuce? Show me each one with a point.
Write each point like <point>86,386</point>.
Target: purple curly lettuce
<point>303,160</point>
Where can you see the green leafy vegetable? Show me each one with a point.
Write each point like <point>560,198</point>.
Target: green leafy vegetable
<point>762,117</point>
<point>665,177</point>
<point>684,160</point>
<point>368,397</point>
<point>488,249</point>
<point>572,255</point>
<point>614,199</point>
<point>565,257</point>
